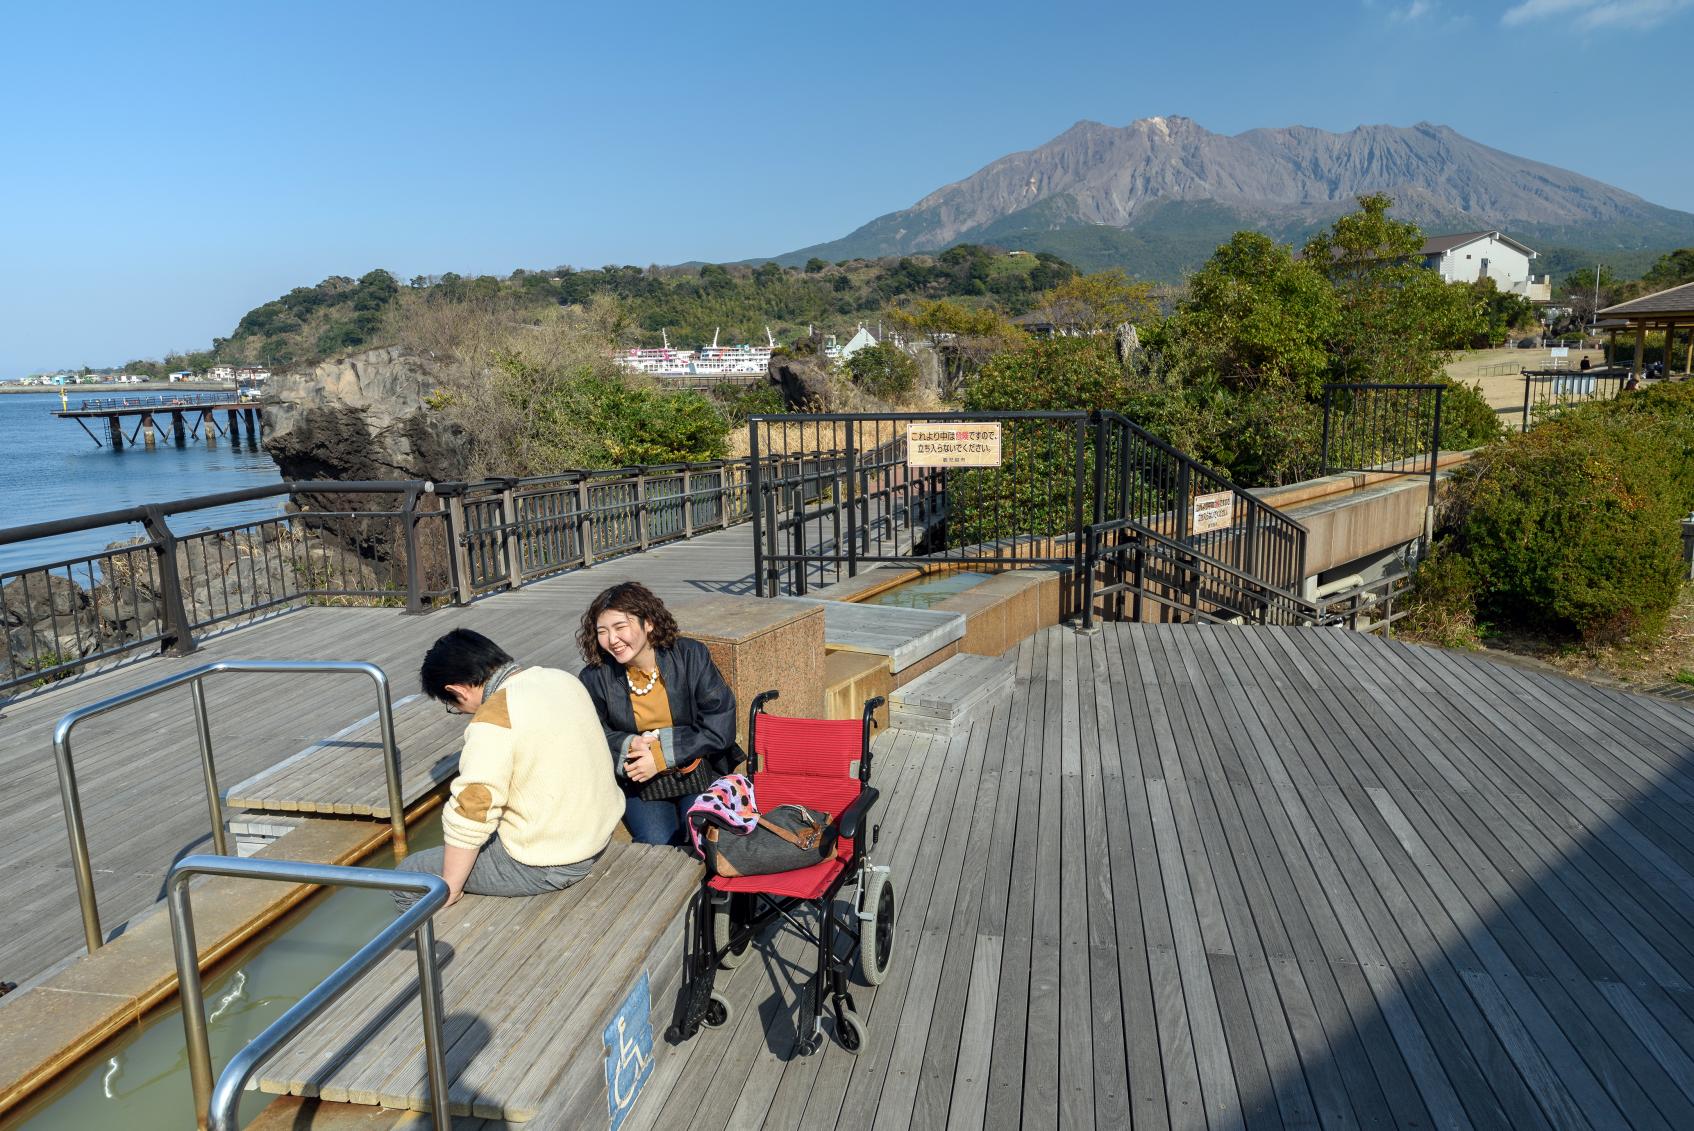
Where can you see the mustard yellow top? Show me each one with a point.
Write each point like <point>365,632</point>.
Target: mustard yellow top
<point>652,710</point>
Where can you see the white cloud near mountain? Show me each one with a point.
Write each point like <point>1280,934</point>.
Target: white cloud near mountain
<point>1592,14</point>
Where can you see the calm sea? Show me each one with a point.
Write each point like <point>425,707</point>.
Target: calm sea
<point>50,469</point>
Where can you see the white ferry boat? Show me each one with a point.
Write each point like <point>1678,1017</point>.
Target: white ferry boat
<point>709,361</point>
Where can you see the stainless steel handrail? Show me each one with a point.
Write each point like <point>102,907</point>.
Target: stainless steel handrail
<point>220,1104</point>
<point>72,802</point>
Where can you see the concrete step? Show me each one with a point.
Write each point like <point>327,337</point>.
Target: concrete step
<point>947,700</point>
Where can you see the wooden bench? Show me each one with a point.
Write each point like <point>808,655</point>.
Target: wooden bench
<point>528,985</point>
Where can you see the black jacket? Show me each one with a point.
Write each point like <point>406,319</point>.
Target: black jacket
<point>702,708</point>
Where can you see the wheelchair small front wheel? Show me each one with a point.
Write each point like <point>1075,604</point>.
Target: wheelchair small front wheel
<point>876,934</point>
<point>718,1012</point>
<point>850,1031</point>
<point>723,929</point>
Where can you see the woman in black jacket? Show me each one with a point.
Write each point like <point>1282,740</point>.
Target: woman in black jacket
<point>669,716</point>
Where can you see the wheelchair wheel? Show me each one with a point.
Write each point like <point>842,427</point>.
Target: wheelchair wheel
<point>723,927</point>
<point>718,1012</point>
<point>850,1031</point>
<point>876,935</point>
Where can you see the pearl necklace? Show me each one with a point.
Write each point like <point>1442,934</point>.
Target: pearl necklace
<point>652,682</point>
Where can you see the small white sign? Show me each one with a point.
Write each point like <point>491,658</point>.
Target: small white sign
<point>967,444</point>
<point>1215,511</point>
<point>1560,351</point>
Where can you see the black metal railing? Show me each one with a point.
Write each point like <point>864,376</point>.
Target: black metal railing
<point>161,588</point>
<point>1389,429</point>
<point>1548,392</point>
<point>1066,489</point>
<point>417,545</point>
<point>839,490</point>
<point>1139,574</point>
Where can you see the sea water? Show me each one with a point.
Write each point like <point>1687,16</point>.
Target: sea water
<point>51,469</point>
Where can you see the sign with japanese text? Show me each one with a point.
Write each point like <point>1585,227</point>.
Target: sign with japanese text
<point>1215,511</point>
<point>968,444</point>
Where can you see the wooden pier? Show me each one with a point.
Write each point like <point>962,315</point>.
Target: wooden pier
<point>188,416</point>
<point>1180,877</point>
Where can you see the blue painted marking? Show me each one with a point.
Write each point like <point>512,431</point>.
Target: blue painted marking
<point>628,1037</point>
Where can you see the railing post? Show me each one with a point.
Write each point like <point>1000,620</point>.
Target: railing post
<point>1526,384</point>
<point>641,507</point>
<point>687,504</point>
<point>1079,448</point>
<point>1323,456</point>
<point>457,531</point>
<point>414,583</point>
<point>852,503</point>
<point>203,728</point>
<point>1434,466</point>
<point>585,522</point>
<point>510,544</point>
<point>755,503</point>
<point>179,637</point>
<point>724,494</point>
<point>1088,583</point>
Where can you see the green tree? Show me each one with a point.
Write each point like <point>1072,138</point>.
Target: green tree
<point>1095,304</point>
<point>884,371</point>
<point>1393,313</point>
<point>1254,315</point>
<point>1671,270</point>
<point>814,265</point>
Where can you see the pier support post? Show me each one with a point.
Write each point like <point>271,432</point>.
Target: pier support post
<point>148,436</point>
<point>179,433</point>
<point>115,429</point>
<point>252,425</point>
<point>209,425</point>
<point>235,426</point>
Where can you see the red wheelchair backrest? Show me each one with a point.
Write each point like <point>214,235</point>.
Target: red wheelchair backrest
<point>810,762</point>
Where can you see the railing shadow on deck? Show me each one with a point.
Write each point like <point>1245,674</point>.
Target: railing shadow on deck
<point>1526,951</point>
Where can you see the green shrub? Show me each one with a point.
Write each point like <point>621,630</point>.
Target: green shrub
<point>884,371</point>
<point>1467,420</point>
<point>1574,527</point>
<point>1443,601</point>
<point>738,402</point>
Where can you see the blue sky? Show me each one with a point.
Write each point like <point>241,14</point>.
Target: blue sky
<point>169,166</point>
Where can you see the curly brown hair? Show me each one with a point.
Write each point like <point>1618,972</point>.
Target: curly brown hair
<point>633,598</point>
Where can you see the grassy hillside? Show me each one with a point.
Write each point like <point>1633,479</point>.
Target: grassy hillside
<point>737,302</point>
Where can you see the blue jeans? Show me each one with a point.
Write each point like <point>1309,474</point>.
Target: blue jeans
<point>657,822</point>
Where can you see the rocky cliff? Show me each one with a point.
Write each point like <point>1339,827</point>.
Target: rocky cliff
<point>362,417</point>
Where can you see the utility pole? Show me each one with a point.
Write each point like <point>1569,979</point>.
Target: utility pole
<point>1594,319</point>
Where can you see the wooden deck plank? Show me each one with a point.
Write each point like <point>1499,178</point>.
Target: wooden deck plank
<point>1016,922</point>
<point>1552,1014</point>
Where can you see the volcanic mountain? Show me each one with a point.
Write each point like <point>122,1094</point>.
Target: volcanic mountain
<point>1157,195</point>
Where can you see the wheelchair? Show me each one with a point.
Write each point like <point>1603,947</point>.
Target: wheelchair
<point>824,765</point>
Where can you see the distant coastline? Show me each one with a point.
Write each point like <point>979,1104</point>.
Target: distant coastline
<point>115,387</point>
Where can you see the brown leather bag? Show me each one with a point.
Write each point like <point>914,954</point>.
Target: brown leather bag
<point>787,837</point>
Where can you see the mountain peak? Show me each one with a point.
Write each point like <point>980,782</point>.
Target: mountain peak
<point>1169,169</point>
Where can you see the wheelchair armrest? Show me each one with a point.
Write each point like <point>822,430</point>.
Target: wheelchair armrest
<point>855,814</point>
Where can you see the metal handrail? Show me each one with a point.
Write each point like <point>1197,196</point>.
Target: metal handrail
<point>220,1104</point>
<point>72,802</point>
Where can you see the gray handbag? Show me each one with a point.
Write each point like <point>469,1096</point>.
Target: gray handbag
<point>787,837</point>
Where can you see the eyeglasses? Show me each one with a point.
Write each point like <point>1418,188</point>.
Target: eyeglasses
<point>454,709</point>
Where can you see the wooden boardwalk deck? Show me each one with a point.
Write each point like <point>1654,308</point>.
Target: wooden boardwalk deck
<point>1218,878</point>
<point>1182,877</point>
<point>138,769</point>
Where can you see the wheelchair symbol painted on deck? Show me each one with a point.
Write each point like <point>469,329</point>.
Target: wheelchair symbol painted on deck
<point>628,1037</point>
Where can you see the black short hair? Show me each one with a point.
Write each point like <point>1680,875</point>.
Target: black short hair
<point>461,656</point>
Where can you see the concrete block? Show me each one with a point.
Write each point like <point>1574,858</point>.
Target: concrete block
<point>759,644</point>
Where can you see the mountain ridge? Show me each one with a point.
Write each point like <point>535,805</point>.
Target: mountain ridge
<point>1113,188</point>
